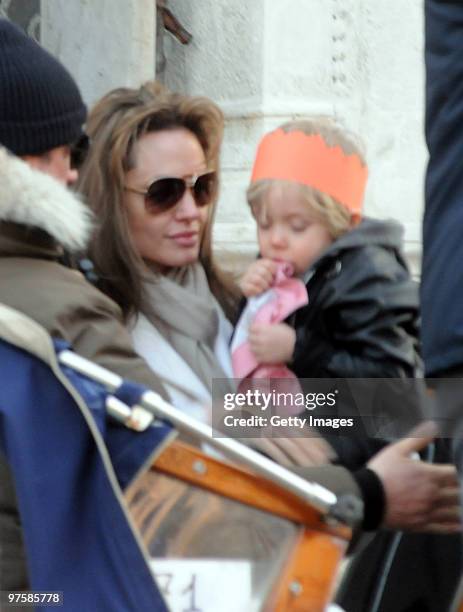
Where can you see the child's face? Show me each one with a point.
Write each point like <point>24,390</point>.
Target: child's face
<point>287,230</point>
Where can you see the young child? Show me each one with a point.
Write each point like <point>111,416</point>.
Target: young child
<point>306,195</point>
<point>361,317</point>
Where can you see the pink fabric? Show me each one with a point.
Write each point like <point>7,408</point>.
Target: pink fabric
<point>287,295</point>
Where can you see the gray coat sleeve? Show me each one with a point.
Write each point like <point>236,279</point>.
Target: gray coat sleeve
<point>13,569</point>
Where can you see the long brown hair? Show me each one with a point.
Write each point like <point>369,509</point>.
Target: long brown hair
<point>114,125</point>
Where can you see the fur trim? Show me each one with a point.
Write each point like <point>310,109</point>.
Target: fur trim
<point>33,198</point>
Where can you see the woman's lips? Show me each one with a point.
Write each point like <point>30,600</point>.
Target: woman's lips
<point>185,239</point>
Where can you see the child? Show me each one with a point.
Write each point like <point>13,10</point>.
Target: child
<point>306,195</point>
<point>360,321</point>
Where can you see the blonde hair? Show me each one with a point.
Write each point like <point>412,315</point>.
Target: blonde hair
<point>114,126</point>
<point>326,209</point>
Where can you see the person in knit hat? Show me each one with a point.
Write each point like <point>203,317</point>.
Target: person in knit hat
<point>41,116</point>
<point>40,104</point>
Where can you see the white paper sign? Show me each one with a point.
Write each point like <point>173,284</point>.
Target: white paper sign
<point>198,585</point>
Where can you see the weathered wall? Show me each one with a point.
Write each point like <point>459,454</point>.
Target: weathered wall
<point>265,62</point>
<point>105,43</point>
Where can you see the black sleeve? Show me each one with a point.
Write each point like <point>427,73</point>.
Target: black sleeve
<point>374,499</point>
<point>13,569</point>
<point>369,324</point>
<point>441,288</point>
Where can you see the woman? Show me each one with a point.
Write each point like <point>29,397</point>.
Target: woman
<point>151,177</point>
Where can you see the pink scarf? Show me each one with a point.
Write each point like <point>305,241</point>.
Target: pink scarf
<point>273,306</point>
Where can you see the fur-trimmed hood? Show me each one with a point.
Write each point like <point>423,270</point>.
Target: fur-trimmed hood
<point>34,199</point>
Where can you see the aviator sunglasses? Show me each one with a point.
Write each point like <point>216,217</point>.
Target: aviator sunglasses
<point>166,192</point>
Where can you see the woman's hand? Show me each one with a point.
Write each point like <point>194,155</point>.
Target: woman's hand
<point>420,496</point>
<point>258,277</point>
<point>272,343</point>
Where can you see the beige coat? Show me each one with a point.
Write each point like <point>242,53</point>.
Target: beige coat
<point>38,220</point>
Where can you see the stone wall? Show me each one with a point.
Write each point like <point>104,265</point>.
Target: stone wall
<point>265,62</point>
<point>105,43</point>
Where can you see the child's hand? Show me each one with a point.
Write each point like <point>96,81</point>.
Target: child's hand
<point>272,343</point>
<point>258,277</point>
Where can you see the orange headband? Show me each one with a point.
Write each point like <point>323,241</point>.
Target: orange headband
<point>295,156</point>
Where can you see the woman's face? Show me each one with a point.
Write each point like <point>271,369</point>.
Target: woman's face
<point>169,238</point>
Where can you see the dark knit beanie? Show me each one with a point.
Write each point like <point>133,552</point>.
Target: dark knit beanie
<point>40,104</point>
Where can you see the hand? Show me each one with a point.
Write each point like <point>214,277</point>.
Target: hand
<point>272,343</point>
<point>258,277</point>
<point>420,496</point>
<point>291,452</point>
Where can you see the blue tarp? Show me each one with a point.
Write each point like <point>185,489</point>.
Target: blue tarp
<point>77,537</point>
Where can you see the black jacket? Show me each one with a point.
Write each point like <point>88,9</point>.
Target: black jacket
<point>442,282</point>
<point>361,322</point>
<point>362,315</point>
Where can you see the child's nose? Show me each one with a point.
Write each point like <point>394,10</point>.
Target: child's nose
<point>278,238</point>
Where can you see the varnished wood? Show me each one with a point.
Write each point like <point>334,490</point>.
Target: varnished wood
<point>234,482</point>
<point>190,505</point>
<point>307,582</point>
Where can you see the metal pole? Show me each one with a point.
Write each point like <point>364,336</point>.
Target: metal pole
<point>319,497</point>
